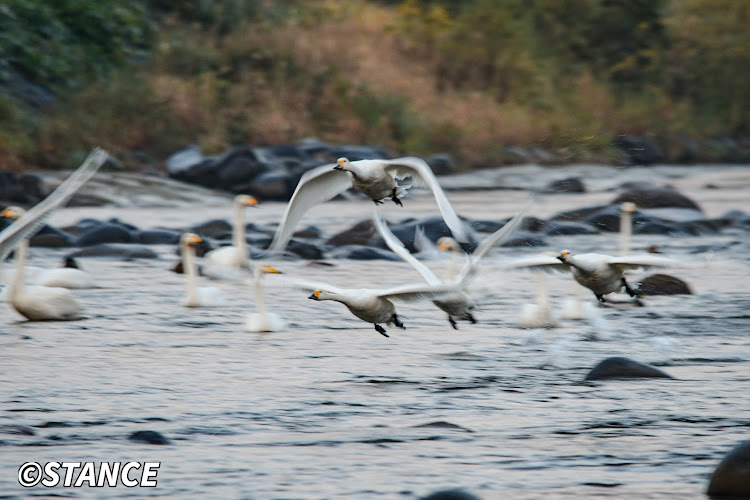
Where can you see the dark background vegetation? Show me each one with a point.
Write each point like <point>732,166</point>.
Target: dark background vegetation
<point>466,77</point>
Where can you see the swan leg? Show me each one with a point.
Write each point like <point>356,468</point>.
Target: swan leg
<point>630,291</point>
<point>398,322</point>
<point>452,322</point>
<point>471,318</point>
<point>380,330</point>
<point>395,199</point>
<point>600,298</point>
<point>377,202</point>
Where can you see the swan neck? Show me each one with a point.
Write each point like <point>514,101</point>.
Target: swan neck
<point>191,274</point>
<point>18,279</point>
<point>626,230</point>
<point>238,227</point>
<point>260,300</point>
<point>541,283</point>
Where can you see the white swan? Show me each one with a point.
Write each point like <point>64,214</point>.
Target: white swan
<point>60,277</point>
<point>225,260</point>
<point>602,274</point>
<point>196,296</point>
<point>626,226</point>
<point>375,306</point>
<point>539,314</point>
<point>263,320</point>
<point>375,178</point>
<point>41,303</point>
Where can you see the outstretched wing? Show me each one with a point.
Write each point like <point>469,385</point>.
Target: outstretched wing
<point>301,284</point>
<point>399,249</point>
<point>644,261</point>
<point>421,172</point>
<point>414,292</point>
<point>315,186</point>
<point>33,220</point>
<point>537,263</point>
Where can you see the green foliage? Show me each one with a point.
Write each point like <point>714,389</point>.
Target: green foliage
<point>67,43</point>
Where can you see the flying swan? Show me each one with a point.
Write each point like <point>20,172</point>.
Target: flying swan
<point>375,178</point>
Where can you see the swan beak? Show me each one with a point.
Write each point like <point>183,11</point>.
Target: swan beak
<point>195,240</point>
<point>9,213</point>
<point>315,295</point>
<point>249,201</point>
<point>563,256</point>
<point>340,165</point>
<point>271,270</point>
<point>442,247</point>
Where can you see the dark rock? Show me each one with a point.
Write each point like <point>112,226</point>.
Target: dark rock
<point>441,164</point>
<point>579,214</point>
<point>434,228</point>
<point>663,284</point>
<point>533,224</point>
<point>441,424</point>
<point>456,494</point>
<point>359,252</point>
<point>569,185</point>
<point>359,234</point>
<point>23,189</point>
<point>83,225</point>
<point>658,197</point>
<point>271,185</point>
<point>212,228</point>
<point>20,430</point>
<point>486,226</point>
<point>148,437</point>
<point>309,232</point>
<point>181,162</point>
<point>129,227</point>
<point>731,478</point>
<point>562,228</point>
<point>105,233</point>
<point>656,227</point>
<point>117,251</point>
<point>157,237</point>
<point>620,367</point>
<point>311,146</point>
<point>639,150</point>
<point>51,237</point>
<point>524,239</point>
<point>238,166</point>
<point>304,249</point>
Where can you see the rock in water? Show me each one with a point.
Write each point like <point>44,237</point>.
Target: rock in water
<point>450,495</point>
<point>620,367</point>
<point>663,284</point>
<point>148,437</point>
<point>731,479</point>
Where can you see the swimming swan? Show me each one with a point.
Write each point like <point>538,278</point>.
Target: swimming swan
<point>223,260</point>
<point>39,303</point>
<point>196,296</point>
<point>263,320</point>
<point>375,178</point>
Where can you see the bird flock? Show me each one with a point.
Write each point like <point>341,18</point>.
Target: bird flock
<point>45,294</point>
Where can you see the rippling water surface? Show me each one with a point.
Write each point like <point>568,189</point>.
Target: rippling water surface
<point>330,409</point>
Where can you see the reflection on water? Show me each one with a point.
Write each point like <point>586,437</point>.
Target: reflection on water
<point>330,408</point>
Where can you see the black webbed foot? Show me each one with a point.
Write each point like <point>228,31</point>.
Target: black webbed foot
<point>452,322</point>
<point>471,318</point>
<point>377,202</point>
<point>398,322</point>
<point>630,291</point>
<point>395,199</point>
<point>600,298</point>
<point>380,330</point>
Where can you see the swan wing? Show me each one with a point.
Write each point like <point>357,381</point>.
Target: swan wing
<point>302,284</point>
<point>644,261</point>
<point>33,220</point>
<point>399,249</point>
<point>421,173</point>
<point>414,292</point>
<point>537,263</point>
<point>315,186</point>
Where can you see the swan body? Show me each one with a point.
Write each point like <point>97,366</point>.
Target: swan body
<point>375,306</point>
<point>377,179</point>
<point>225,260</point>
<point>64,277</point>
<point>196,296</point>
<point>263,320</point>
<point>602,274</point>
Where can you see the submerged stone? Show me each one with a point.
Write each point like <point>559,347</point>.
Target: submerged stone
<point>731,479</point>
<point>621,367</point>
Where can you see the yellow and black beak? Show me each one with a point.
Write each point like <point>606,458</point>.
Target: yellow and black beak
<point>271,270</point>
<point>195,240</point>
<point>340,165</point>
<point>315,295</point>
<point>563,256</point>
<point>9,213</point>
<point>250,201</point>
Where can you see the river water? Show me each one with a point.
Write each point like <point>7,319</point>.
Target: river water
<point>329,408</point>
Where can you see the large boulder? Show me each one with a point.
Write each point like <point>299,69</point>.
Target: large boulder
<point>663,284</point>
<point>620,367</point>
<point>656,197</point>
<point>731,479</point>
<point>639,150</point>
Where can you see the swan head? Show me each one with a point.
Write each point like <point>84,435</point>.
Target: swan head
<point>446,243</point>
<point>564,254</point>
<point>245,200</point>
<point>13,213</point>
<point>341,163</point>
<point>315,295</point>
<point>190,239</point>
<point>627,207</point>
